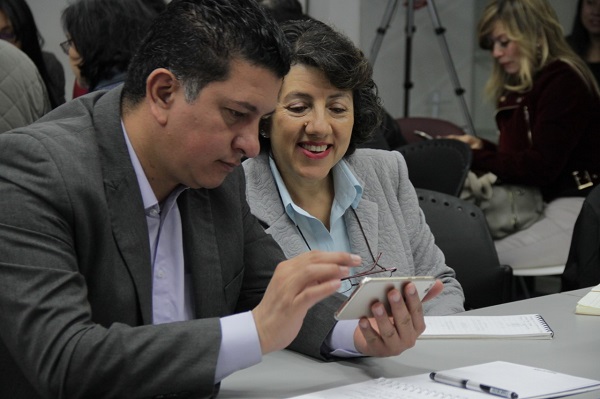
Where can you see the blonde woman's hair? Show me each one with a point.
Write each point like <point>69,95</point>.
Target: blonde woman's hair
<point>534,27</point>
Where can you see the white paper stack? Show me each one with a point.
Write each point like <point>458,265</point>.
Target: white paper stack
<point>590,303</point>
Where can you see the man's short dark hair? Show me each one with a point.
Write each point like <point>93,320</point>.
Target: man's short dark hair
<point>197,40</point>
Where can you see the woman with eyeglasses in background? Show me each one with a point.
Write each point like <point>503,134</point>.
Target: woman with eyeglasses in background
<point>102,36</point>
<point>548,117</point>
<point>312,189</point>
<point>17,26</point>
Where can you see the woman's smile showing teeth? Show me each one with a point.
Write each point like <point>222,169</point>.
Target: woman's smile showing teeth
<point>313,147</point>
<point>315,151</point>
<point>311,128</point>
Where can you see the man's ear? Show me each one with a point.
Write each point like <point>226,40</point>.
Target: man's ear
<point>161,88</point>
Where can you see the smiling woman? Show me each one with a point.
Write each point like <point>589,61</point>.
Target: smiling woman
<point>314,122</point>
<point>313,189</point>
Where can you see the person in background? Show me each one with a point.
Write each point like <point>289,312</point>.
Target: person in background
<point>387,135</point>
<point>17,26</point>
<point>585,34</point>
<point>311,188</point>
<point>22,89</point>
<point>131,264</point>
<point>548,117</point>
<point>158,6</point>
<point>78,90</point>
<point>120,25</point>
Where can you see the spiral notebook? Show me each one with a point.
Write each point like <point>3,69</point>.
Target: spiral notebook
<point>521,326</point>
<point>525,381</point>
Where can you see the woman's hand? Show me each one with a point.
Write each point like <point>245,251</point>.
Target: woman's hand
<point>385,335</point>
<point>472,141</point>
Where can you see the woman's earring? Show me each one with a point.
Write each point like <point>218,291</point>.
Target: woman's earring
<point>305,124</point>
<point>264,134</point>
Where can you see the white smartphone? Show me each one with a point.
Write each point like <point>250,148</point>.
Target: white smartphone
<point>422,134</point>
<point>372,289</point>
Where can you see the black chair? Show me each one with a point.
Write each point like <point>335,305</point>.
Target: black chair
<point>583,263</point>
<point>440,165</point>
<point>461,232</point>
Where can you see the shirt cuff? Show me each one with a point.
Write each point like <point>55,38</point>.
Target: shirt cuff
<point>240,346</point>
<point>341,339</point>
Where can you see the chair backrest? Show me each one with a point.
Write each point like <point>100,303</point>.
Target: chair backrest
<point>461,232</point>
<point>439,165</point>
<point>387,136</point>
<point>434,127</point>
<point>583,264</point>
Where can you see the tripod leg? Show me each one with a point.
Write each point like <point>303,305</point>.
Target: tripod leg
<point>439,31</point>
<point>381,31</point>
<point>410,30</point>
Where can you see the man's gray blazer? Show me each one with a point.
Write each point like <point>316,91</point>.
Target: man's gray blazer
<point>75,271</point>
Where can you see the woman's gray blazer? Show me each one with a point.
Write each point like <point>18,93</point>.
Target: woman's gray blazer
<point>389,212</point>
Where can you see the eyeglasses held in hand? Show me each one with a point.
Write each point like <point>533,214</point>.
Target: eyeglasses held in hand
<point>374,269</point>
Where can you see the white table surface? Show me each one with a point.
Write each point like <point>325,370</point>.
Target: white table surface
<point>575,349</point>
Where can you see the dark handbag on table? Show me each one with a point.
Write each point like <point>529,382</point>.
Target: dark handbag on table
<point>508,208</point>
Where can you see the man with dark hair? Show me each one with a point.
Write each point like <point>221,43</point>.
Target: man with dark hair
<point>131,265</point>
<point>123,218</point>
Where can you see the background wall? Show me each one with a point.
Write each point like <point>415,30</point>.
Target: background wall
<point>47,18</point>
<point>433,92</point>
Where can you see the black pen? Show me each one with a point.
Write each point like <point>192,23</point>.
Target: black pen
<point>472,385</point>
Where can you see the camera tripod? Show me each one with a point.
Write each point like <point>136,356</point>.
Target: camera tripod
<point>410,30</point>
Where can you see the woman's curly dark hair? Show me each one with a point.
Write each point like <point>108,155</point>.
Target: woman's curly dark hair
<point>314,43</point>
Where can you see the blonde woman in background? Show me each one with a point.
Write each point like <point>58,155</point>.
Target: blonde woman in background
<point>548,117</point>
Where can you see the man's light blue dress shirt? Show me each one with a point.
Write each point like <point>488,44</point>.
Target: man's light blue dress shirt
<point>171,284</point>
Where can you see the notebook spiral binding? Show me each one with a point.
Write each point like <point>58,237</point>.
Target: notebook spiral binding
<point>545,325</point>
<point>409,391</point>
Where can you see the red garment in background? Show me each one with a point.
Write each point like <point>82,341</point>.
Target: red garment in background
<point>563,117</point>
<point>78,90</point>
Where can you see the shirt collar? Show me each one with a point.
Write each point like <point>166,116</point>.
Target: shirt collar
<point>148,197</point>
<point>346,184</point>
<point>348,191</point>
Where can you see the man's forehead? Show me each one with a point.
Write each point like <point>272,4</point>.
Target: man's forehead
<point>250,86</point>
